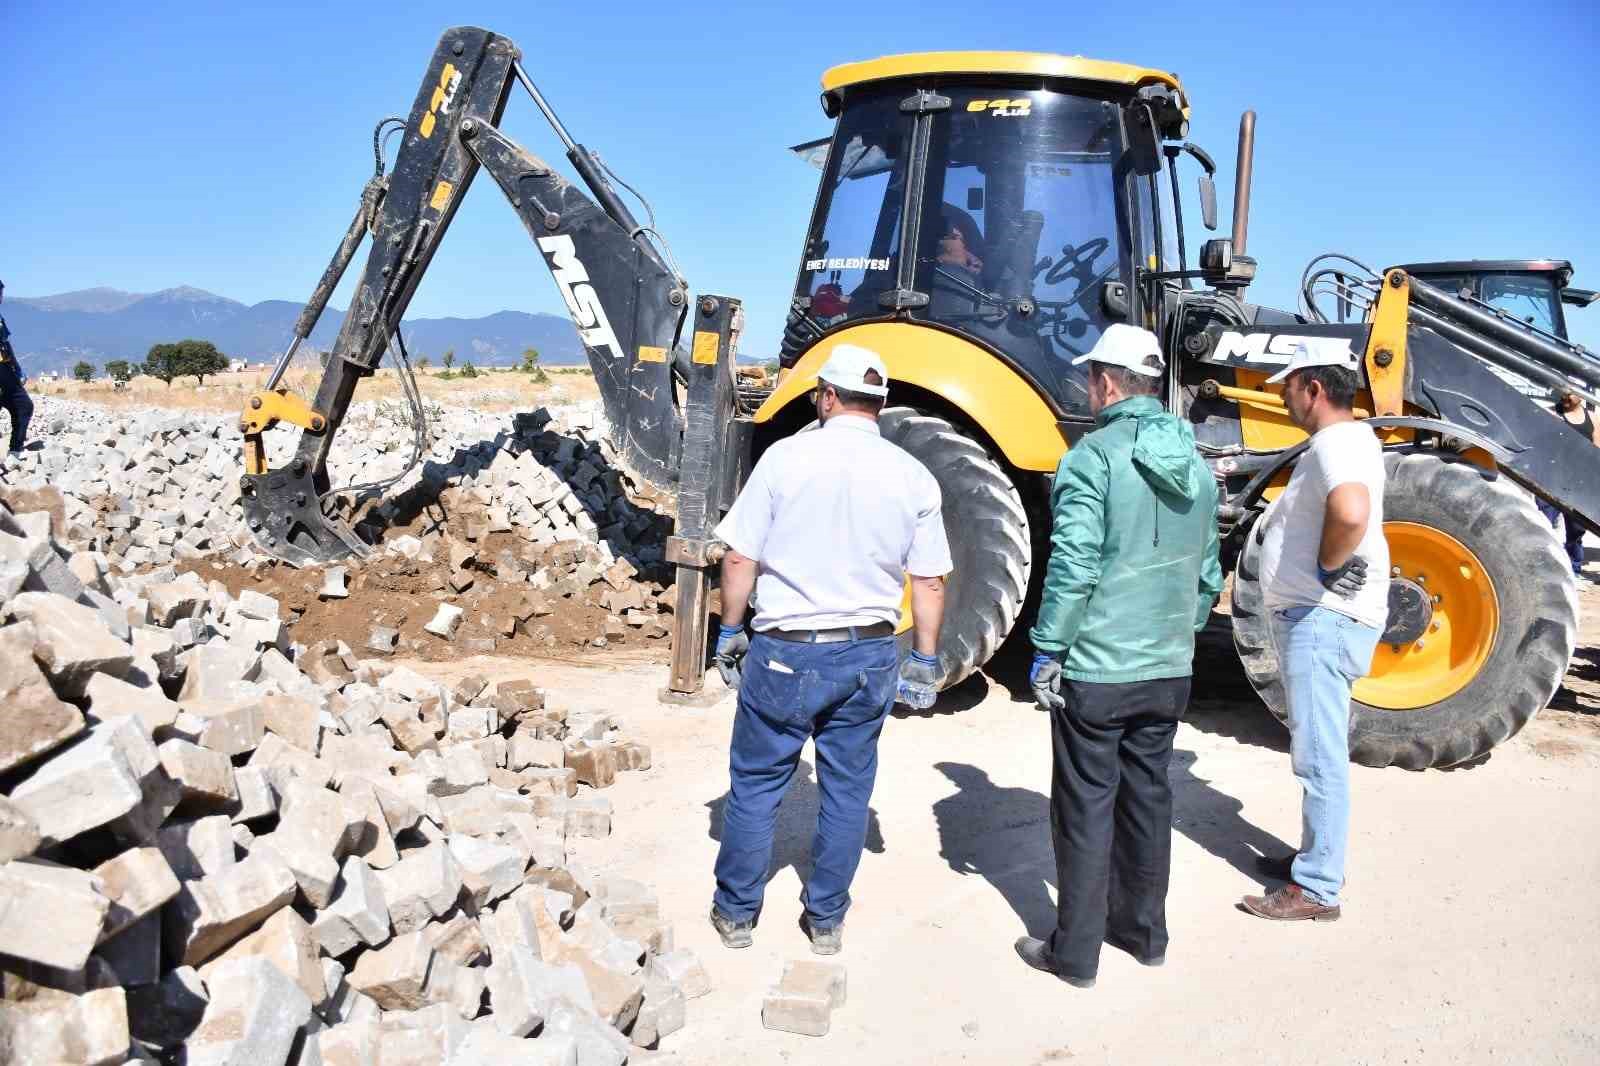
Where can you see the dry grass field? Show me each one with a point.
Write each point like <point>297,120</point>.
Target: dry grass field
<point>494,389</point>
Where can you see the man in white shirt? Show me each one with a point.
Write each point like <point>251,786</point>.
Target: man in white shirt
<point>825,532</point>
<point>1324,575</point>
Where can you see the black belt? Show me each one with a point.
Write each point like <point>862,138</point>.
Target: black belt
<point>832,636</point>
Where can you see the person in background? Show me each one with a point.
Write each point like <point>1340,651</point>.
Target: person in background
<point>825,532</point>
<point>1325,581</point>
<point>13,392</point>
<point>1572,410</point>
<point>1133,575</point>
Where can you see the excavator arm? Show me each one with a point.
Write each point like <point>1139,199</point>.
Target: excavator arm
<point>626,301</point>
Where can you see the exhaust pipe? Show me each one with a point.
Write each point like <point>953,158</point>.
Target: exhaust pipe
<point>1243,169</point>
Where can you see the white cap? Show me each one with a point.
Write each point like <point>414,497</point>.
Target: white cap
<point>1317,351</point>
<point>847,368</point>
<point>1129,347</point>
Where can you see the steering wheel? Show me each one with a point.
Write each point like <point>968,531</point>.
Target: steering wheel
<point>1077,261</point>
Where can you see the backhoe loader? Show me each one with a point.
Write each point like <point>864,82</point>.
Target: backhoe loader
<point>981,217</point>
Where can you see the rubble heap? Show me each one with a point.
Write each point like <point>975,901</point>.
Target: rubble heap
<point>219,847</point>
<point>152,486</point>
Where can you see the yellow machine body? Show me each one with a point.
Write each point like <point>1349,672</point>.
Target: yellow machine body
<point>997,399</point>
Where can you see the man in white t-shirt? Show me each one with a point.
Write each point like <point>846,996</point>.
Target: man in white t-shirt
<point>825,532</point>
<point>1324,576</point>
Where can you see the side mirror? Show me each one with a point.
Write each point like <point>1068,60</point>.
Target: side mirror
<point>1208,202</point>
<point>1216,256</point>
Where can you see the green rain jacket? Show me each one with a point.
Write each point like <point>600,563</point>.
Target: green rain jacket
<point>1133,570</point>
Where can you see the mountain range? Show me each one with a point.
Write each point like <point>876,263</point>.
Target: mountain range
<point>55,332</point>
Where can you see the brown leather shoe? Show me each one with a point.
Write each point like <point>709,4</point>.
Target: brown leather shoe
<point>1289,904</point>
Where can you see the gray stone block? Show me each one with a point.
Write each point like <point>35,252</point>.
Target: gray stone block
<point>254,1015</point>
<point>420,887</point>
<point>205,777</point>
<point>285,940</point>
<point>49,914</point>
<point>19,833</point>
<point>358,913</point>
<point>86,1030</point>
<point>82,788</point>
<point>213,912</point>
<point>35,721</point>
<point>200,848</point>
<point>72,642</point>
<point>395,976</point>
<point>137,883</point>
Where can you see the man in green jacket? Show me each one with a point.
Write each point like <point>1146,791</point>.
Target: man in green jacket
<point>1133,576</point>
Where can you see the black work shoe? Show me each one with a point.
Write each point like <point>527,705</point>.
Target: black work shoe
<point>734,934</point>
<point>1036,953</point>
<point>825,940</point>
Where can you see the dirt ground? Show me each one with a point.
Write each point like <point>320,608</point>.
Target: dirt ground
<point>1469,934</point>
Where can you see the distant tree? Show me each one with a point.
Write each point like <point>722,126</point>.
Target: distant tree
<point>449,358</point>
<point>469,371</point>
<point>422,363</point>
<point>120,371</point>
<point>161,362</point>
<point>184,359</point>
<point>530,360</point>
<point>84,371</point>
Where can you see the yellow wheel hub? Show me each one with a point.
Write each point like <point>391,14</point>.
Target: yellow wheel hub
<point>1459,636</point>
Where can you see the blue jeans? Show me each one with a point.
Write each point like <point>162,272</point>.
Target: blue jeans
<point>1321,653</point>
<point>839,694</point>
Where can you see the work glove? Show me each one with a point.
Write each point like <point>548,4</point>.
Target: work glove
<point>1344,580</point>
<point>1044,677</point>
<point>918,686</point>
<point>732,644</point>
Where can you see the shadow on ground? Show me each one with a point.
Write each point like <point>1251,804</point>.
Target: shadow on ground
<point>796,826</point>
<point>1002,834</point>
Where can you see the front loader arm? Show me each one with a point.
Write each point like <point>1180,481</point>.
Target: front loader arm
<point>627,304</point>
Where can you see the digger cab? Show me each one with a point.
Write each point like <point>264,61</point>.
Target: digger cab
<point>1003,198</point>
<point>1533,291</point>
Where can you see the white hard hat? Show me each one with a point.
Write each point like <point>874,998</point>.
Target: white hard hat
<point>1317,351</point>
<point>1129,347</point>
<point>847,368</point>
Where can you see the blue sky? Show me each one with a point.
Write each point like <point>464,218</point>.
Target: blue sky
<point>224,146</point>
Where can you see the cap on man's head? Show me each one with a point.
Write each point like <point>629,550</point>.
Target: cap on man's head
<point>1317,351</point>
<point>847,368</point>
<point>1129,347</point>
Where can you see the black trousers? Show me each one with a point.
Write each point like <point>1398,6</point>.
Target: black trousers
<point>1111,818</point>
<point>15,400</point>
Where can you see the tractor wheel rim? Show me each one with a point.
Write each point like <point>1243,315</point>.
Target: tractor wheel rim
<point>1460,635</point>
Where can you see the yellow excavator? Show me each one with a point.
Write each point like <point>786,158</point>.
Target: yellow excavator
<point>981,218</point>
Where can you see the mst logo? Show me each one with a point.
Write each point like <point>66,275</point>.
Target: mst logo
<point>1267,349</point>
<point>582,301</point>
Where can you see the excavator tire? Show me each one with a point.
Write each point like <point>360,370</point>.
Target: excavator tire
<point>1500,636</point>
<point>989,540</point>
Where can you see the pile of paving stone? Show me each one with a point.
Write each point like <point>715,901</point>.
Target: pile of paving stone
<point>220,847</point>
<point>147,487</point>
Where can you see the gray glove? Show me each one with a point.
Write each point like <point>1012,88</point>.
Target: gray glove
<point>732,645</point>
<point>1044,676</point>
<point>918,685</point>
<point>1345,580</point>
